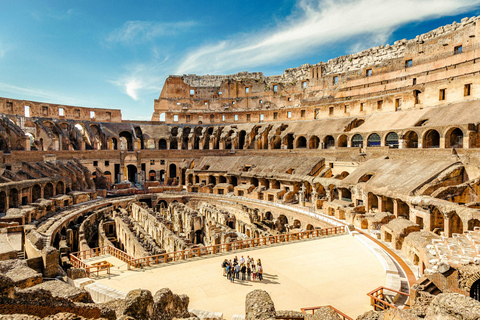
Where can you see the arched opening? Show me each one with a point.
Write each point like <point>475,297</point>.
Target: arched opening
<point>329,142</point>
<point>36,193</point>
<point>161,118</point>
<point>454,138</point>
<point>288,141</point>
<point>132,173</point>
<point>172,170</point>
<point>3,201</point>
<point>301,142</point>
<point>373,140</point>
<point>357,141</point>
<point>108,175</point>
<point>151,175</point>
<point>372,202</point>
<point>127,139</point>
<point>222,179</point>
<point>411,139</point>
<point>431,139</point>
<point>343,141</point>
<point>309,227</point>
<point>196,138</point>
<point>268,216</point>
<point>162,144</point>
<point>456,224</point>
<point>391,140</point>
<point>185,133</point>
<point>255,182</point>
<point>173,144</point>
<point>472,224</point>
<point>234,181</point>
<point>276,142</point>
<point>48,191</point>
<point>314,142</point>
<point>475,290</point>
<point>59,188</point>
<point>438,221</point>
<point>4,145</point>
<point>297,224</point>
<point>241,139</point>
<point>212,180</point>
<point>114,144</point>
<point>403,210</point>
<point>275,184</point>
<point>14,202</point>
<point>162,175</point>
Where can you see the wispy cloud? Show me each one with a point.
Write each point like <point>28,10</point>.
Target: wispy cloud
<point>25,93</point>
<point>143,78</point>
<point>140,31</point>
<point>53,14</point>
<point>315,24</point>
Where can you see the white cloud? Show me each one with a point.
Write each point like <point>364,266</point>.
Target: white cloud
<point>143,78</point>
<point>52,97</point>
<point>315,24</point>
<point>139,31</point>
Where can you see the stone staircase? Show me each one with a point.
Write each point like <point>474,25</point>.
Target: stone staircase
<point>21,255</point>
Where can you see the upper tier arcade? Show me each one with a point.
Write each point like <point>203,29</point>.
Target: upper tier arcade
<point>434,69</point>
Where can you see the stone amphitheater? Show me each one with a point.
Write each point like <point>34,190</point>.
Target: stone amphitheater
<point>355,180</point>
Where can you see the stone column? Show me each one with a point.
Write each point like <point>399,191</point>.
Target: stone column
<point>395,207</point>
<point>466,141</point>
<point>446,227</point>
<point>442,143</point>
<point>381,206</point>
<point>401,143</point>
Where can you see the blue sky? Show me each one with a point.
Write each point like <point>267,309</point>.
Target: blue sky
<point>117,54</point>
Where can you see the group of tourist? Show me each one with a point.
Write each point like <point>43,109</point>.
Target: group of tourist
<point>243,269</point>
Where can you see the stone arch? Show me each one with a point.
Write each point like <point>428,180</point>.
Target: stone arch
<point>36,192</point>
<point>127,140</point>
<point>288,141</point>
<point>454,138</point>
<point>357,141</point>
<point>241,139</point>
<point>276,142</point>
<point>60,188</point>
<point>48,191</point>
<point>162,144</point>
<point>391,140</point>
<point>14,202</point>
<point>343,141</point>
<point>410,140</point>
<point>3,201</point>
<point>309,227</point>
<point>268,216</point>
<point>132,173</point>
<point>190,179</point>
<point>372,201</point>
<point>431,139</point>
<point>301,142</point>
<point>297,224</point>
<point>438,221</point>
<point>328,142</point>
<point>172,170</point>
<point>212,180</point>
<point>222,179</point>
<point>473,223</point>
<point>313,142</point>
<point>151,175</point>
<point>374,140</point>
<point>114,143</point>
<point>455,224</point>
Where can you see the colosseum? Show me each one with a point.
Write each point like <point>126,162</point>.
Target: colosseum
<point>355,180</point>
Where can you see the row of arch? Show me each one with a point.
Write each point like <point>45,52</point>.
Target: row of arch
<point>14,197</point>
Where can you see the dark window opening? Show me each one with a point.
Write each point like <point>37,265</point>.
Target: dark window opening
<point>442,94</point>
<point>457,50</point>
<point>408,63</point>
<point>467,90</point>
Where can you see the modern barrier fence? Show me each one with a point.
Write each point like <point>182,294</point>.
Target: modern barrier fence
<point>378,301</point>
<point>340,313</point>
<point>76,259</point>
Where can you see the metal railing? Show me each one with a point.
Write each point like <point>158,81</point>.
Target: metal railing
<point>340,313</point>
<point>377,298</point>
<point>76,259</point>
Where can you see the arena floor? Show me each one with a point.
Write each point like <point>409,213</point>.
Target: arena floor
<point>336,271</point>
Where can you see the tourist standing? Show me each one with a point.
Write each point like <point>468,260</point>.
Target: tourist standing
<point>249,272</point>
<point>254,272</point>
<point>242,260</point>
<point>260,272</point>
<point>237,271</point>
<point>235,261</point>
<point>243,270</point>
<point>224,267</point>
